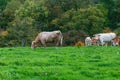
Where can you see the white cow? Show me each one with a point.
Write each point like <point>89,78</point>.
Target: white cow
<point>88,41</point>
<point>104,38</point>
<point>44,37</point>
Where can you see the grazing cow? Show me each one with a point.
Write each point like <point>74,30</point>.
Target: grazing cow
<point>88,41</point>
<point>44,37</point>
<point>95,41</point>
<point>104,38</point>
<point>116,41</point>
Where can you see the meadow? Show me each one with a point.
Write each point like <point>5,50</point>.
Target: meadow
<point>60,63</point>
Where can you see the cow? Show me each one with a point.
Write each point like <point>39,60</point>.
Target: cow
<point>95,41</point>
<point>104,38</point>
<point>44,37</point>
<point>116,41</point>
<point>88,41</point>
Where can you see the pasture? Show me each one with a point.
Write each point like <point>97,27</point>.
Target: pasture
<point>60,63</point>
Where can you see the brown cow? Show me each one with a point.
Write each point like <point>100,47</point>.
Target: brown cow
<point>116,41</point>
<point>45,37</point>
<point>95,41</point>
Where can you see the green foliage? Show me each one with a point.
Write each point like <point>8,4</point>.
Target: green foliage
<point>118,31</point>
<point>110,6</point>
<point>91,20</point>
<point>117,19</point>
<point>63,63</point>
<point>32,9</point>
<point>73,36</point>
<point>23,31</point>
<point>8,13</point>
<point>22,18</point>
<point>3,4</point>
<point>23,27</point>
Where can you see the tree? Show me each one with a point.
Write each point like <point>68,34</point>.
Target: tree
<point>91,20</point>
<point>3,4</point>
<point>8,13</point>
<point>25,21</point>
<point>117,16</point>
<point>110,6</point>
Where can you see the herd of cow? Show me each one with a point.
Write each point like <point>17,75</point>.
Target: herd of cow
<point>56,36</point>
<point>103,39</point>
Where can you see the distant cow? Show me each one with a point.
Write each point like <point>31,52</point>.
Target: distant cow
<point>88,41</point>
<point>44,37</point>
<point>95,41</point>
<point>104,38</point>
<point>116,41</point>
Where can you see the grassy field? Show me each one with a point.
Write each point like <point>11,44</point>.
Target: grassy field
<point>60,63</point>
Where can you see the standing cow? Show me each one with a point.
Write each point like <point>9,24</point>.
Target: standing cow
<point>44,37</point>
<point>104,38</point>
<point>88,41</point>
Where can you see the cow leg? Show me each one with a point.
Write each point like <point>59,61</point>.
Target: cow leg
<point>112,43</point>
<point>106,44</point>
<point>102,42</point>
<point>98,43</point>
<point>43,43</point>
<point>57,41</point>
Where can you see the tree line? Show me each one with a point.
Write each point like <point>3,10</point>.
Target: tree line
<point>22,20</point>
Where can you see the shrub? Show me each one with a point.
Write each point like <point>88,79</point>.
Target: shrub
<point>79,43</point>
<point>73,36</point>
<point>4,33</point>
<point>107,30</point>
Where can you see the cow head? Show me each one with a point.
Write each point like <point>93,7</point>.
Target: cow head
<point>95,41</point>
<point>116,41</point>
<point>33,45</point>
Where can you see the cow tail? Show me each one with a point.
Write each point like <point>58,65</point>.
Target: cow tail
<point>61,39</point>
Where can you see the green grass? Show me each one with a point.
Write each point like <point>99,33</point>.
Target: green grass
<point>60,63</point>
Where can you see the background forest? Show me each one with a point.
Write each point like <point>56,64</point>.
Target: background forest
<point>22,20</point>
